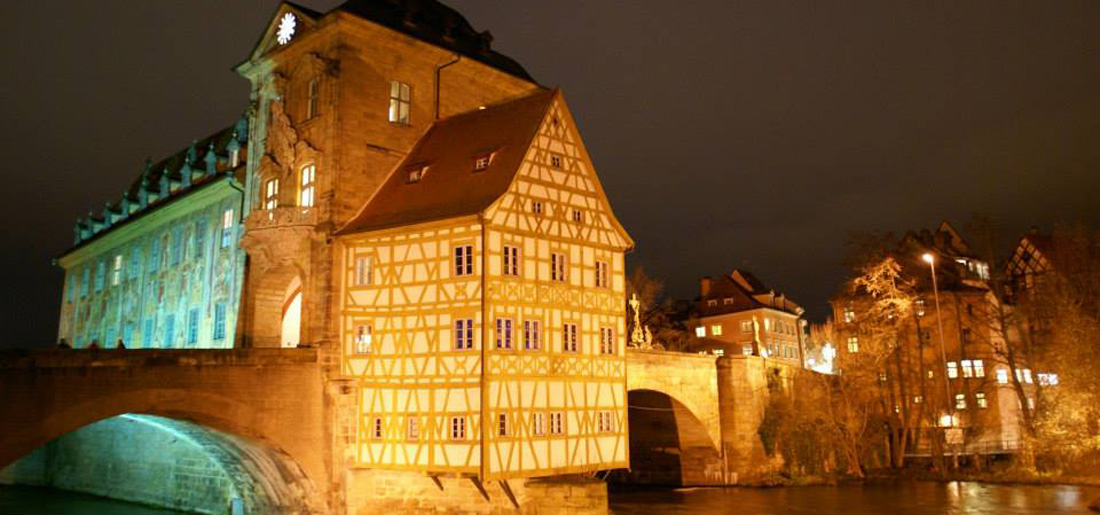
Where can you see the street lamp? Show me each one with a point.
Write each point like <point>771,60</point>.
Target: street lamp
<point>931,260</point>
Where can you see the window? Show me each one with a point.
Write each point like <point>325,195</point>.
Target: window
<point>979,368</point>
<point>504,333</point>
<point>305,192</point>
<point>376,428</point>
<point>538,424</point>
<point>464,334</point>
<point>532,339</point>
<point>313,98</point>
<point>154,254</point>
<point>746,349</point>
<point>967,368</point>
<point>412,428</point>
<point>719,352</point>
<point>849,315</point>
<point>135,262</point>
<point>701,332</point>
<point>1047,379</point>
<point>116,270</point>
<point>193,326</point>
<point>920,307</point>
<point>200,239</point>
<point>555,160</point>
<point>219,321</point>
<point>960,401</point>
<point>952,369</point>
<point>170,331</point>
<point>728,301</point>
<point>364,339</point>
<point>400,100</point>
<point>746,326</point>
<point>536,207</point>
<point>979,399</point>
<point>557,268</point>
<point>716,330</point>
<point>177,246</point>
<point>511,261</point>
<point>416,174</point>
<point>557,423</point>
<point>602,275</point>
<point>1027,375</point>
<point>605,422</point>
<point>712,302</point>
<point>917,399</point>
<point>458,428</point>
<point>271,194</point>
<point>853,344</point>
<point>464,260</point>
<point>147,335</point>
<point>227,228</point>
<point>364,268</point>
<point>569,338</point>
<point>1002,375</point>
<point>578,216</point>
<point>482,162</point>
<point>100,274</point>
<point>502,424</point>
<point>607,341</point>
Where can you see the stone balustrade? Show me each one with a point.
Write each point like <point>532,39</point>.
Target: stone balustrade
<point>281,217</point>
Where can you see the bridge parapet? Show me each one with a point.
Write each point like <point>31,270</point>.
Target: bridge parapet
<point>80,358</point>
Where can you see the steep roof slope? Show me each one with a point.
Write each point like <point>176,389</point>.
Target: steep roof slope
<point>450,187</point>
<point>433,22</point>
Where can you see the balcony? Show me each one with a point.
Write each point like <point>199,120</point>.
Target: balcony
<point>293,216</point>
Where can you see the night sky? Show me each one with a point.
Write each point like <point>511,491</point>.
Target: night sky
<point>727,133</point>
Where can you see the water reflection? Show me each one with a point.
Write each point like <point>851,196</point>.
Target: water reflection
<point>24,500</point>
<point>896,499</point>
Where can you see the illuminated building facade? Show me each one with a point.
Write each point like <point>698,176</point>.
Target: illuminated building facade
<point>160,267</point>
<point>978,400</point>
<point>414,205</point>
<point>738,314</point>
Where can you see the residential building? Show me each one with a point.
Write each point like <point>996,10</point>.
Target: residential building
<point>737,313</point>
<point>947,368</point>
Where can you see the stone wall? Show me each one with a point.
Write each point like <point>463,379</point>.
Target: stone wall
<point>399,493</point>
<point>743,395</point>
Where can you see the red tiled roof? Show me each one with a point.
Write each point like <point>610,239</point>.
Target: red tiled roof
<point>450,187</point>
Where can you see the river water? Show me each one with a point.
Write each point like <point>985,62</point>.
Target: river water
<point>917,498</point>
<point>897,499</point>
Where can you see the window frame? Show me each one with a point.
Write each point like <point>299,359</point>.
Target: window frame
<point>463,341</point>
<point>400,100</point>
<point>463,260</point>
<point>307,186</point>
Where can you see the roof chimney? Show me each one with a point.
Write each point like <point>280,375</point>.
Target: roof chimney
<point>704,286</point>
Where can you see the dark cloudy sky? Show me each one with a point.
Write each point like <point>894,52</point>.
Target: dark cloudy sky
<point>728,133</point>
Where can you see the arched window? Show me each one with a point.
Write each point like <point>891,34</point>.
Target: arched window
<point>305,193</point>
<point>271,194</point>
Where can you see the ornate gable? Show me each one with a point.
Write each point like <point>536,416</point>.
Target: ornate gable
<point>285,26</point>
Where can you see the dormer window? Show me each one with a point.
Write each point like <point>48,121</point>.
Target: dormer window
<point>536,207</point>
<point>416,174</point>
<point>578,216</point>
<point>555,160</point>
<point>482,162</point>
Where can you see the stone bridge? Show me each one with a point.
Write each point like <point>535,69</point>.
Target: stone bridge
<point>260,410</point>
<point>263,425</point>
<point>694,419</point>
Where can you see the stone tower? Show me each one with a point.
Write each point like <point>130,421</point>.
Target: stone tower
<point>338,98</point>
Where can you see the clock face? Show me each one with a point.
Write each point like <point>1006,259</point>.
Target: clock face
<point>286,28</point>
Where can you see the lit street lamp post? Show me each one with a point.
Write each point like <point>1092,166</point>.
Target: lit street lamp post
<point>931,260</point>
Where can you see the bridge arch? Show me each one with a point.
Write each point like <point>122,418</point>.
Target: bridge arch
<point>674,422</point>
<point>257,468</point>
